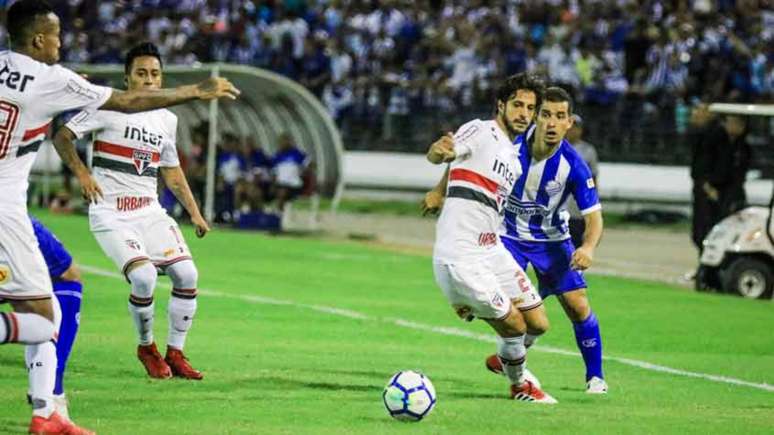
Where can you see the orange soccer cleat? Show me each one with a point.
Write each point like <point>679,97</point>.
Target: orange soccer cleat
<point>180,366</point>
<point>55,425</point>
<point>154,364</point>
<point>528,392</point>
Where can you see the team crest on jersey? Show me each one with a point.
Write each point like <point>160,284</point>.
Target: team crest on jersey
<point>553,187</point>
<point>590,183</point>
<point>5,274</point>
<point>141,159</point>
<point>134,244</point>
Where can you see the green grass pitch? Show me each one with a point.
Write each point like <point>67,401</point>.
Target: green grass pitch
<point>299,336</point>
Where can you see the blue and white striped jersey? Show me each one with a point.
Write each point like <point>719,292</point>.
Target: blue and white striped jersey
<point>536,209</point>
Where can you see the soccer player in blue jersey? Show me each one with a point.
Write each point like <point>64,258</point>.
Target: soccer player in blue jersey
<point>66,280</point>
<point>536,230</point>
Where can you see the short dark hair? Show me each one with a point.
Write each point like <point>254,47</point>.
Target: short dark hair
<point>556,94</point>
<point>21,18</point>
<point>139,50</point>
<point>521,82</point>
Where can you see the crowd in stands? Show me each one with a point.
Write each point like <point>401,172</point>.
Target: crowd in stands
<point>395,73</point>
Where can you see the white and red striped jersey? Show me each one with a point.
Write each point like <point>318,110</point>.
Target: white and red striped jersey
<point>32,93</point>
<point>480,179</point>
<point>128,150</point>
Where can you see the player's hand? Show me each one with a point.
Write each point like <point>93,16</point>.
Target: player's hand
<point>582,258</point>
<point>442,150</point>
<point>216,87</point>
<point>90,190</point>
<point>432,202</point>
<point>201,226</point>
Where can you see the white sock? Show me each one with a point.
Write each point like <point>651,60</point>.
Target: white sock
<point>181,313</point>
<point>529,340</point>
<point>143,322</point>
<point>25,328</point>
<point>513,355</point>
<point>143,280</point>
<point>41,365</point>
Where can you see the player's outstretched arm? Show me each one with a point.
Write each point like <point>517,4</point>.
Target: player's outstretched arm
<point>584,255</point>
<point>175,180</point>
<point>144,100</point>
<point>64,143</point>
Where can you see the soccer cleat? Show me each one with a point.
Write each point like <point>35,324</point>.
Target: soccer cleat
<point>528,392</point>
<point>596,385</point>
<point>495,366</point>
<point>60,406</point>
<point>154,364</point>
<point>55,425</point>
<point>180,366</point>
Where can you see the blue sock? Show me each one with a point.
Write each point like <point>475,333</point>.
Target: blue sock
<point>69,295</point>
<point>589,342</point>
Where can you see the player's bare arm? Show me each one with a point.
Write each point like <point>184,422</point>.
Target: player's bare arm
<point>584,255</point>
<point>64,143</point>
<point>150,99</point>
<point>433,200</point>
<point>175,180</point>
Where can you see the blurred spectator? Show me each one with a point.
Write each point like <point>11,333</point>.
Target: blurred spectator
<point>231,168</point>
<point>289,165</point>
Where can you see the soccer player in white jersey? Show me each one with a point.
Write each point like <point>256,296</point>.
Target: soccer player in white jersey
<point>476,273</point>
<point>522,92</point>
<point>535,229</point>
<point>33,90</point>
<point>129,223</point>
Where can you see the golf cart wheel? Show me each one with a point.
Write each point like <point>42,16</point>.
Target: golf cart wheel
<point>750,278</point>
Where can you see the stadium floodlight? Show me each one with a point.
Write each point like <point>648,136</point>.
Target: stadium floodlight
<point>742,109</point>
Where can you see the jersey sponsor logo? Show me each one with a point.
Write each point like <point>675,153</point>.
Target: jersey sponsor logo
<point>14,79</point>
<point>590,183</point>
<point>487,239</point>
<point>140,134</point>
<point>522,208</point>
<point>554,187</point>
<point>142,159</point>
<point>504,170</point>
<point>5,274</point>
<point>131,203</point>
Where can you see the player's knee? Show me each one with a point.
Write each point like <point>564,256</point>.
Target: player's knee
<point>73,273</point>
<point>184,274</point>
<point>143,280</point>
<point>512,326</point>
<point>538,325</point>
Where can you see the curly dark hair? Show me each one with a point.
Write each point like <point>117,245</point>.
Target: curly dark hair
<point>21,18</point>
<point>518,82</point>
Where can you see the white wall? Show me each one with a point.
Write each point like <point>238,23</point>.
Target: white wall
<point>617,181</point>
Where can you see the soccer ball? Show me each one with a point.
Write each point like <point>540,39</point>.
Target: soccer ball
<point>409,396</point>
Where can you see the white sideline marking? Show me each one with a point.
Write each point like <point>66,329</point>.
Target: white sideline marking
<point>446,330</point>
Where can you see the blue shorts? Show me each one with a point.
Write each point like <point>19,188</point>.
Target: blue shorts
<point>58,260</point>
<point>551,261</point>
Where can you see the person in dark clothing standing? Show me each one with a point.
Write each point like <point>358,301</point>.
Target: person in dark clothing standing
<point>721,158</point>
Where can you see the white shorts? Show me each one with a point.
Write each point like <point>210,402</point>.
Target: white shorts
<point>487,288</point>
<point>154,237</point>
<point>23,271</point>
